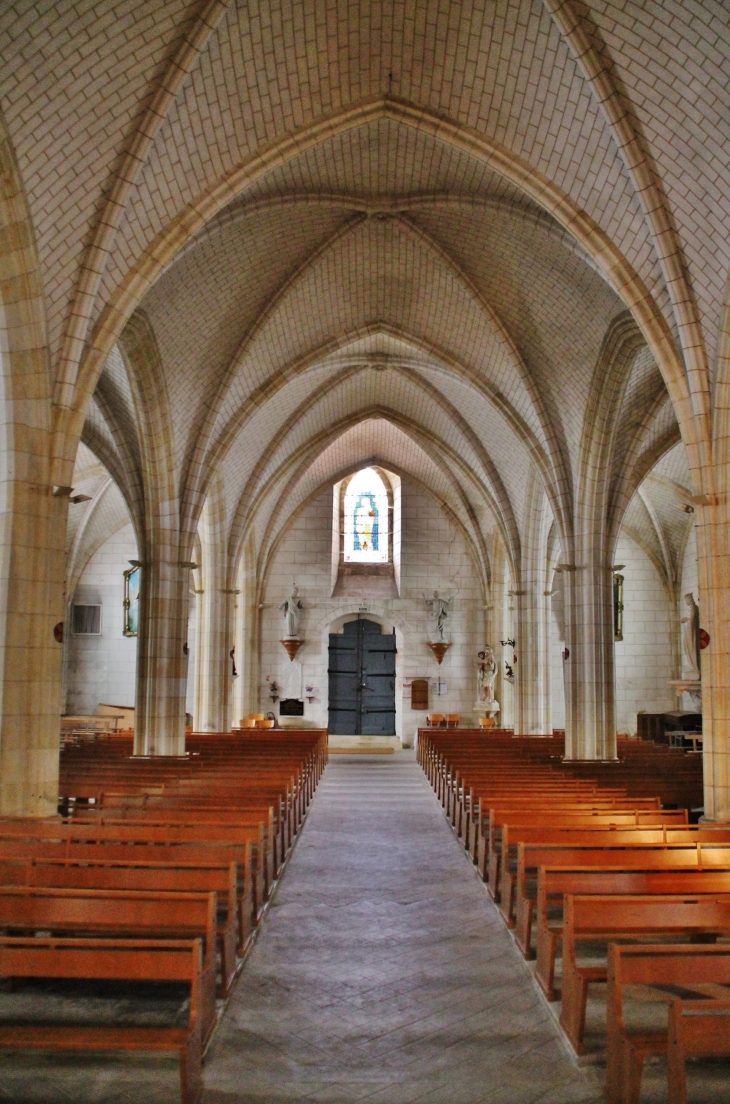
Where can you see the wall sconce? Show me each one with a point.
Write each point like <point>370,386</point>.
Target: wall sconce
<point>309,692</point>
<point>274,692</point>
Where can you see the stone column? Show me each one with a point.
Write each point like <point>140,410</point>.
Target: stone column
<point>162,665</point>
<point>532,671</point>
<point>32,559</point>
<point>214,628</point>
<point>713,561</point>
<point>213,661</point>
<point>590,715</point>
<point>246,636</point>
<point>32,521</point>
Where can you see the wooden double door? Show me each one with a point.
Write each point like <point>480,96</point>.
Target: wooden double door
<point>362,680</point>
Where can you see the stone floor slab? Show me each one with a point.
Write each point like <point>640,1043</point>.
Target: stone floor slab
<point>383,972</point>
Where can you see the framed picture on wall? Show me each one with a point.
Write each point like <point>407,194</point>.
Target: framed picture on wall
<point>131,601</point>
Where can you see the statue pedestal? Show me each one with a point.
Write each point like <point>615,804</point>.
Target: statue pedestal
<point>292,645</point>
<point>693,687</point>
<point>489,709</point>
<point>439,649</point>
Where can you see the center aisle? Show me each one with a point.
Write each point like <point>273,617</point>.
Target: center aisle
<point>383,972</point>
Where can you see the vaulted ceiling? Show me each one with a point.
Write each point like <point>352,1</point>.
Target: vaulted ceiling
<point>288,238</point>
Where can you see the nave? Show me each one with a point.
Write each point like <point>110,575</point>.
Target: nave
<point>382,972</point>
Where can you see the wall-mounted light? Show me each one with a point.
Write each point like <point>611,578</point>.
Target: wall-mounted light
<point>80,498</point>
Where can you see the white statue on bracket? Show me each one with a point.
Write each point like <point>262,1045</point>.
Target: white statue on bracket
<point>486,676</point>
<point>439,610</point>
<point>292,609</point>
<point>691,636</point>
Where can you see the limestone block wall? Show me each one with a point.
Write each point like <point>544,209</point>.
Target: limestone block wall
<point>102,668</point>
<point>434,556</point>
<point>644,658</point>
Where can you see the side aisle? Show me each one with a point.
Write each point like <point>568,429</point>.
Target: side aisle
<point>589,863</point>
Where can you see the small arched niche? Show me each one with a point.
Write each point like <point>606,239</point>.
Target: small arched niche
<point>366,530</point>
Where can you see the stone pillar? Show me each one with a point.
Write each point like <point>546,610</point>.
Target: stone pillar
<point>214,629</point>
<point>713,561</point>
<point>246,636</point>
<point>532,671</point>
<point>159,727</point>
<point>32,521</point>
<point>32,559</point>
<point>590,715</point>
<point>213,661</point>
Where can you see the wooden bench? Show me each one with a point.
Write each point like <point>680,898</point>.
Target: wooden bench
<point>117,914</point>
<point>103,960</point>
<point>654,972</point>
<point>481,813</point>
<point>697,1029</point>
<point>531,856</point>
<point>556,883</point>
<point>505,828</point>
<point>172,855</point>
<point>586,835</point>
<point>99,874</point>
<point>618,919</point>
<point>242,845</point>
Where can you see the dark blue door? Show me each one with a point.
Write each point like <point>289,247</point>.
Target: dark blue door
<point>362,681</point>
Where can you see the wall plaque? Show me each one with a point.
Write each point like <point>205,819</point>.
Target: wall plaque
<point>290,707</point>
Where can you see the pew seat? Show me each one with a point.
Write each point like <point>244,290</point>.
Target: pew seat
<point>110,960</point>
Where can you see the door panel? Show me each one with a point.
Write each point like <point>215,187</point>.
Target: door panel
<point>362,681</point>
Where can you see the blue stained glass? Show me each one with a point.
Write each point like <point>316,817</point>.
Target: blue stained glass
<point>366,518</point>
<point>366,528</point>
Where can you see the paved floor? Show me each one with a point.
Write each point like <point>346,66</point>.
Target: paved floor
<point>383,972</point>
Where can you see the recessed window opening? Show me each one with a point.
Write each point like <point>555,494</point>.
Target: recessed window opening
<point>366,519</point>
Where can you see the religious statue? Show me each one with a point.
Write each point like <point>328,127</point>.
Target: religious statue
<point>291,608</point>
<point>440,610</point>
<point>691,636</point>
<point>487,673</point>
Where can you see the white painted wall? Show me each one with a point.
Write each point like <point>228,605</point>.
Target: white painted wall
<point>102,668</point>
<point>644,656</point>
<point>433,557</point>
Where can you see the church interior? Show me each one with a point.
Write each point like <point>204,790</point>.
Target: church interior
<point>365,551</point>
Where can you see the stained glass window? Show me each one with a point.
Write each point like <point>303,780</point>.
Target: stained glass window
<point>366,519</point>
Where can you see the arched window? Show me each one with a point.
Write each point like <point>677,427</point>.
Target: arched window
<point>366,519</point>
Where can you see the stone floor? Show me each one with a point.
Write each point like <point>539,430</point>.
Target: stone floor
<point>383,973</point>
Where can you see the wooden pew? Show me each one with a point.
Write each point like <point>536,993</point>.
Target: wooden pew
<point>506,827</point>
<point>244,844</point>
<point>617,919</point>
<point>173,855</point>
<point>118,914</point>
<point>697,1029</point>
<point>595,836</point>
<point>497,806</point>
<point>559,882</point>
<point>99,874</point>
<point>103,960</point>
<point>531,856</point>
<point>698,969</point>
